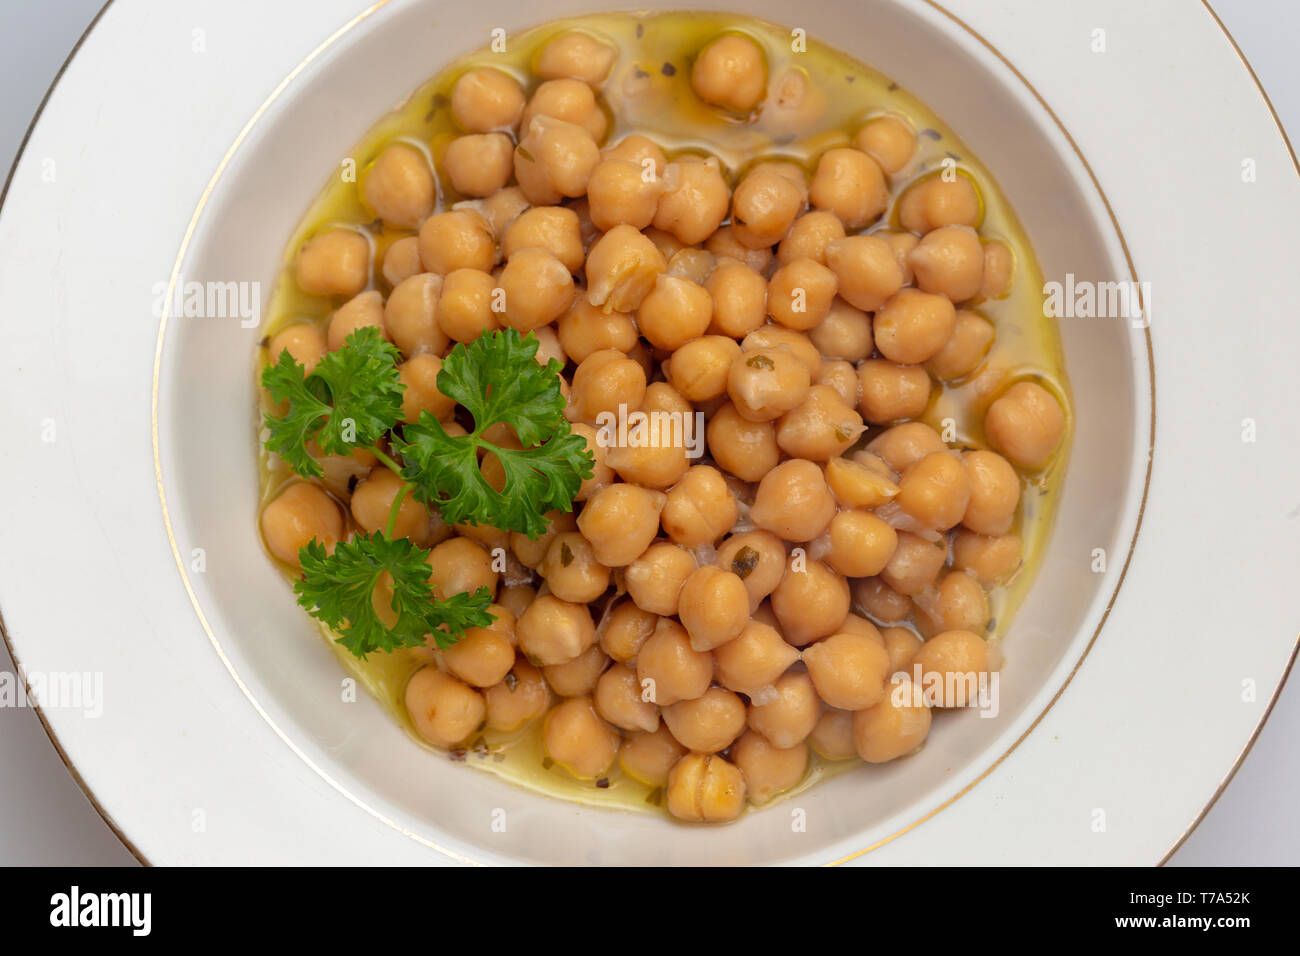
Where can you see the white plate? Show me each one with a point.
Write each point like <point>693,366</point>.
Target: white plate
<point>1168,676</point>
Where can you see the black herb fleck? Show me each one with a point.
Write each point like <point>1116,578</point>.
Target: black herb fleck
<point>525,155</point>
<point>458,755</point>
<point>744,563</point>
<point>352,483</point>
<point>511,681</point>
<point>547,763</point>
<point>566,554</point>
<point>668,70</point>
<point>640,30</point>
<point>639,73</point>
<point>603,783</point>
<point>760,362</point>
<point>932,133</point>
<point>892,86</point>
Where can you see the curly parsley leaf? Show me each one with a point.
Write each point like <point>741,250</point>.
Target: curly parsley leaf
<point>497,379</point>
<point>339,589</point>
<point>349,400</point>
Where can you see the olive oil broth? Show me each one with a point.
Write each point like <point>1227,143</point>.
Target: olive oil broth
<point>648,91</point>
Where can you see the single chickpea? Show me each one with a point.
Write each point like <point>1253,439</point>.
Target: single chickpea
<point>650,465</point>
<point>516,599</point>
<point>850,184</point>
<point>959,603</point>
<point>304,343</point>
<point>537,288</point>
<point>739,296</point>
<point>601,473</point>
<point>674,312</point>
<point>669,669</point>
<point>694,202</point>
<point>723,245</point>
<point>401,260</point>
<point>692,264</point>
<point>457,239</point>
<point>622,267</point>
<point>894,727</point>
<point>999,267</point>
<point>889,140</point>
<point>935,491</point>
<point>420,376</point>
<point>842,377</point>
<point>623,192</point>
<point>372,500</point>
<point>458,566</point>
<point>297,515</point>
<point>764,207</point>
<point>799,294</point>
<point>523,695</point>
<point>604,381</point>
<point>578,677</point>
<point>915,564</point>
<point>709,723</point>
<point>793,501</point>
<point>485,655</point>
<point>822,427</point>
<point>730,73</point>
<point>399,187</point>
<point>585,329</point>
<point>478,164</point>
<point>903,445</point>
<point>902,244</point>
<point>796,104</point>
<point>667,244</point>
<point>811,601</point>
<point>994,492</point>
<point>411,315</point>
<point>774,336</point>
<point>757,558</point>
<point>636,149</point>
<point>857,486</point>
<point>554,160</point>
<point>618,700</point>
<point>953,662</point>
<point>902,645</point>
<point>465,307</point>
<point>768,770</point>
<point>746,449</point>
<point>571,570</point>
<point>654,580</point>
<point>571,101</point>
<point>866,269</point>
<point>699,368</point>
<point>949,261</point>
<point>809,236</point>
<point>443,710</point>
<point>849,670</point>
<point>845,333</point>
<point>578,740</point>
<point>861,544</point>
<point>882,602</point>
<point>713,607</point>
<point>991,560</point>
<point>971,339</point>
<point>700,508</point>
<point>753,662</point>
<point>789,714</point>
<point>704,788</point>
<point>620,521</point>
<point>913,326</point>
<point>501,208</point>
<point>832,737</point>
<point>576,55</point>
<point>891,392</point>
<point>651,757</point>
<point>553,631</point>
<point>624,630</point>
<point>765,383</point>
<point>1026,424</point>
<point>485,99</point>
<point>555,229</point>
<point>548,347</point>
<point>335,262</point>
<point>936,202</point>
<point>362,310</point>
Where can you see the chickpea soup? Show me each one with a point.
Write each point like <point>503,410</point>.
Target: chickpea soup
<point>660,413</point>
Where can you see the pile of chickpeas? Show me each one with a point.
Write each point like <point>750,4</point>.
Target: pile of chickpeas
<point>703,624</point>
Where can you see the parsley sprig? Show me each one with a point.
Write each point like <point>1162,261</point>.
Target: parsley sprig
<point>352,400</point>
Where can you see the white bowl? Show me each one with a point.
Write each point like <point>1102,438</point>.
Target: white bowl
<point>207,442</point>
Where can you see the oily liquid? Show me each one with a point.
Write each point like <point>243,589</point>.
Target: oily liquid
<point>648,91</point>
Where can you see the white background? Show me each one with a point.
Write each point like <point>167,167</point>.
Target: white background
<point>45,818</point>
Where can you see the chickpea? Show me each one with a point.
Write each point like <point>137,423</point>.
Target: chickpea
<point>991,560</point>
<point>752,663</point>
<point>882,602</point>
<point>297,515</point>
<point>1026,424</point>
<point>903,445</point>
<point>576,55</point>
<point>999,266</point>
<point>669,668</point>
<point>399,187</point>
<point>523,695</point>
<point>713,607</point>
<point>443,710</point>
<point>335,262</point>
<point>420,376</point>
<point>655,579</point>
<point>304,343</point>
<point>768,770</point>
<point>411,315</point>
<point>746,449</point>
<point>578,677</point>
<point>845,333</point>
<point>891,392</point>
<point>935,490</point>
<point>809,237</point>
<point>902,244</point>
<point>832,737</point>
<point>972,336</point>
<point>555,229</point>
<point>622,267</point>
<point>458,239</point>
<point>692,264</point>
<point>502,208</point>
<point>548,348</point>
<point>585,329</point>
<point>994,492</point>
<point>650,757</point>
<point>757,558</point>
<point>698,370</point>
<point>700,508</point>
<point>730,73</point>
<point>674,312</point>
<point>531,552</point>
<point>788,717</point>
<point>795,105</point>
<point>478,164</point>
<point>842,378</point>
<point>892,728</point>
<point>571,570</point>
<point>936,202</point>
<point>601,473</point>
<point>902,645</point>
<point>723,245</point>
<point>620,521</point>
<point>765,383</point>
<point>458,565</point>
<point>704,788</point>
<point>372,500</point>
<point>959,603</point>
<point>667,244</point>
<point>618,700</point>
<point>793,501</point>
<point>799,294</point>
<point>569,100</point>
<point>603,381</point>
<point>764,207</point>
<point>402,260</point>
<point>820,428</point>
<point>485,655</point>
<point>623,192</point>
<point>866,269</point>
<point>516,599</point>
<point>485,99</point>
<point>857,486</point>
<point>913,326</point>
<point>861,544</point>
<point>849,670</point>
<point>578,740</point>
<point>636,149</point>
<point>739,296</point>
<point>362,310</point>
<point>889,140</point>
<point>624,630</point>
<point>850,184</point>
<point>709,723</point>
<point>915,564</point>
<point>465,307</point>
<point>949,261</point>
<point>777,336</point>
<point>537,288</point>
<point>554,160</point>
<point>650,465</point>
<point>951,665</point>
<point>695,200</point>
<point>554,631</point>
<point>810,603</point>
